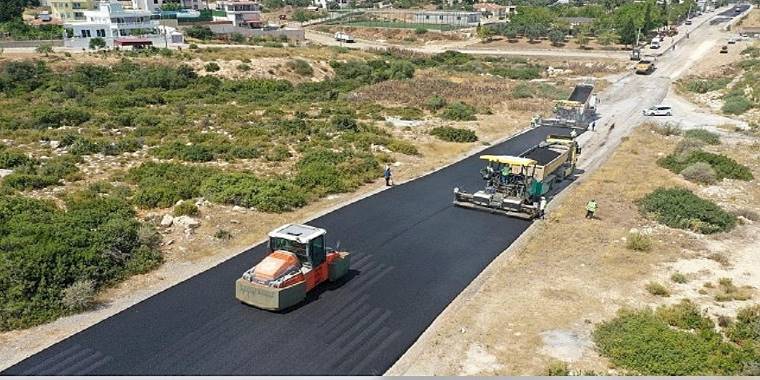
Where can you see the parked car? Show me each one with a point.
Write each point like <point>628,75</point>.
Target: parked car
<point>732,40</point>
<point>660,110</point>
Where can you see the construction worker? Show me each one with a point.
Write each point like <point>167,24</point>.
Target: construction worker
<point>388,175</point>
<point>542,208</point>
<point>573,133</point>
<point>590,209</point>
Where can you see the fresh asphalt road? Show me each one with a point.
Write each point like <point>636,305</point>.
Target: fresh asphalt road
<point>413,253</point>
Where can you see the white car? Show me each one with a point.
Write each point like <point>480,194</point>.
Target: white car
<point>732,40</point>
<point>658,111</point>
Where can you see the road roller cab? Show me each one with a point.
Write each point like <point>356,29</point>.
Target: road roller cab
<point>298,261</point>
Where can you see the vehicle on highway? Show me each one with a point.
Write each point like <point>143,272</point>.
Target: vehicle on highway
<point>515,185</point>
<point>655,43</point>
<point>645,66</point>
<point>688,22</point>
<point>343,37</point>
<point>298,261</point>
<point>737,9</point>
<point>724,49</point>
<point>659,110</point>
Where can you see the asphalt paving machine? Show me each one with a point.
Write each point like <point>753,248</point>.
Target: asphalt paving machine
<point>514,185</point>
<point>298,261</point>
<point>578,111</point>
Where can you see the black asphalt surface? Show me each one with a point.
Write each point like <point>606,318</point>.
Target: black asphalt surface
<point>413,253</point>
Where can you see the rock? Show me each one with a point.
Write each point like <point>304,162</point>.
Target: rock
<point>234,221</point>
<point>170,242</point>
<point>167,221</point>
<point>5,172</point>
<point>187,221</point>
<point>54,144</point>
<point>238,209</point>
<point>179,202</point>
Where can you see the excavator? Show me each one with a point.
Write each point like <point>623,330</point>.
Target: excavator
<point>298,261</point>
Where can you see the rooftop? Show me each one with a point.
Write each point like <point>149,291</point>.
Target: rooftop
<point>298,232</point>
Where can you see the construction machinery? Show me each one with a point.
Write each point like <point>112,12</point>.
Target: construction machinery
<point>514,185</point>
<point>645,66</point>
<point>298,261</point>
<point>578,111</point>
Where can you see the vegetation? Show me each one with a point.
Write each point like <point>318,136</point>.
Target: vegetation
<point>185,208</point>
<point>736,104</point>
<point>638,242</point>
<point>657,289</point>
<point>725,167</point>
<point>675,340</point>
<point>300,67</point>
<point>97,43</point>
<point>98,236</point>
<point>701,86</point>
<point>699,172</point>
<point>706,136</point>
<point>680,208</point>
<point>459,111</point>
<point>678,278</point>
<point>452,134</point>
<point>199,32</point>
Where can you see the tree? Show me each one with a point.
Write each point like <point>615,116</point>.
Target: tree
<point>582,36</point>
<point>628,32</point>
<point>608,38</point>
<point>510,32</point>
<point>557,37</point>
<point>11,9</point>
<point>534,32</point>
<point>485,33</point>
<point>44,49</point>
<point>97,43</point>
<point>200,32</point>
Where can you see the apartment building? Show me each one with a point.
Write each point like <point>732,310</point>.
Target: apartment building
<point>69,10</point>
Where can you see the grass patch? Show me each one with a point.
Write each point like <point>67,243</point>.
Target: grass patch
<point>185,208</point>
<point>667,129</point>
<point>459,111</point>
<point>736,105</point>
<point>700,172</point>
<point>680,208</point>
<point>703,135</point>
<point>679,278</point>
<point>701,86</point>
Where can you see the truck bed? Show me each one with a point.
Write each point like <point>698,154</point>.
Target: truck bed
<point>542,155</point>
<point>581,94</point>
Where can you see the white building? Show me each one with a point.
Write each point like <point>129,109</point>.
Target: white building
<point>242,13</point>
<point>154,5</point>
<point>119,27</point>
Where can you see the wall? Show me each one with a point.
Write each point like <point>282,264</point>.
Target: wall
<point>28,44</point>
<point>292,34</point>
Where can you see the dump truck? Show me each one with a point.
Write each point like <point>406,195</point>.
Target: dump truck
<point>645,66</point>
<point>298,261</point>
<point>343,37</point>
<point>514,185</point>
<point>578,111</point>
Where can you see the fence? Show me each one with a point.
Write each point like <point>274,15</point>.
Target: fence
<point>30,43</point>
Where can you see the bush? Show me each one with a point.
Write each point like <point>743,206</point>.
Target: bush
<point>435,103</point>
<point>703,135</point>
<point>725,167</point>
<point>557,368</point>
<point>679,278</point>
<point>97,43</point>
<point>212,67</point>
<point>657,289</point>
<point>680,208</point>
<point>699,172</point>
<point>736,105</point>
<point>222,234</point>
<point>452,134</point>
<point>344,122</point>
<point>684,315</point>
<point>702,86</point>
<point>79,296</point>
<point>522,91</point>
<point>667,129</point>
<point>243,67</point>
<point>638,242</point>
<point>13,158</point>
<point>420,30</point>
<point>300,67</point>
<point>185,208</point>
<point>746,329</point>
<point>686,146</point>
<point>199,32</point>
<point>459,111</point>
<point>644,343</point>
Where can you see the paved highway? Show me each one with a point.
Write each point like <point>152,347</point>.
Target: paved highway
<point>413,253</point>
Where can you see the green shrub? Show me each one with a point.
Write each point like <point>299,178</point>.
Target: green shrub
<point>13,158</point>
<point>518,73</point>
<point>703,135</point>
<point>344,122</point>
<point>300,67</point>
<point>403,147</point>
<point>459,111</point>
<point>736,105</point>
<point>557,368</point>
<point>667,129</point>
<point>680,208</point>
<point>185,208</point>
<point>725,167</point>
<point>420,30</point>
<point>243,67</point>
<point>638,242</point>
<point>642,342</point>
<point>686,146</point>
<point>452,134</point>
<point>21,181</point>
<point>212,67</point>
<point>199,32</point>
<point>657,289</point>
<point>746,329</point>
<point>435,103</point>
<point>522,91</point>
<point>163,184</point>
<point>684,315</point>
<point>222,234</point>
<point>51,254</point>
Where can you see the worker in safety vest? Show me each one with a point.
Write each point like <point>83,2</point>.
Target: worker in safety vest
<point>542,208</point>
<point>590,209</point>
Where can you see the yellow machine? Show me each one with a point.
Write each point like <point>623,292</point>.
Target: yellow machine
<point>576,112</point>
<point>515,185</point>
<point>645,66</point>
